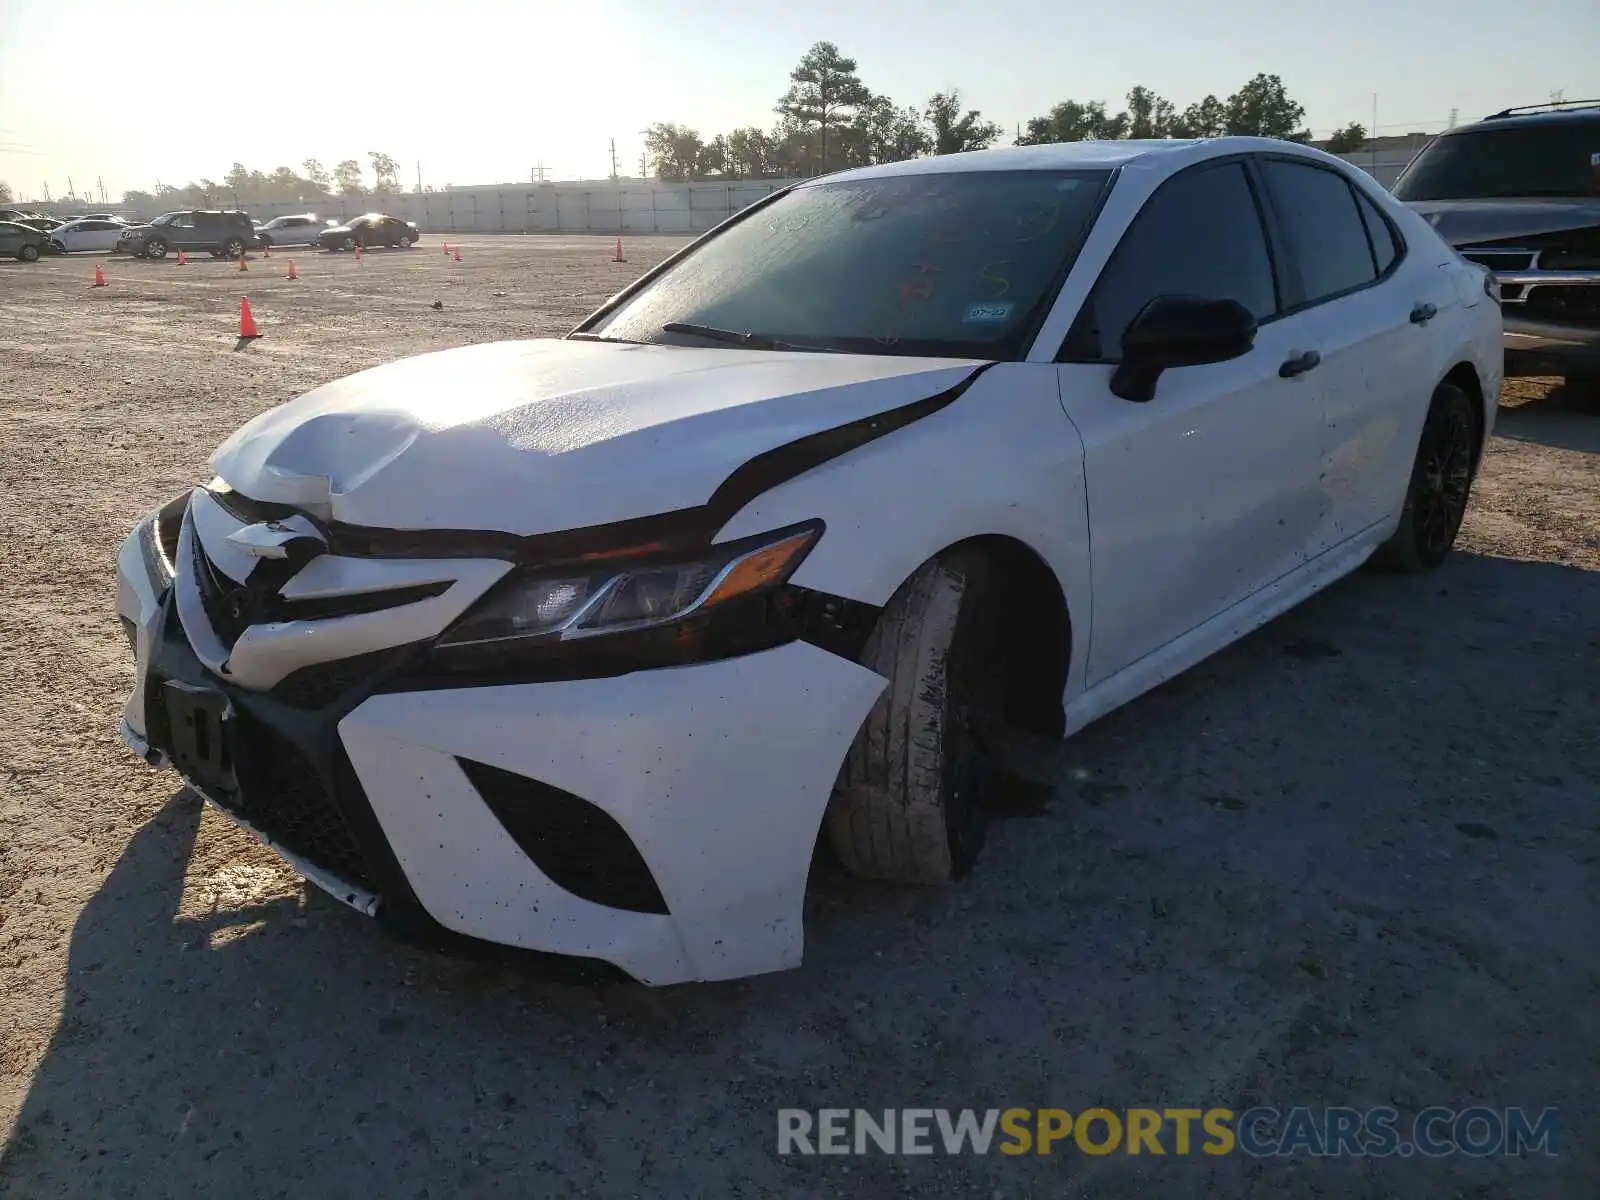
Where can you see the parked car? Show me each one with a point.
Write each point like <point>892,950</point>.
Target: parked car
<point>87,233</point>
<point>20,241</point>
<point>580,644</point>
<point>1519,192</point>
<point>103,217</point>
<point>373,229</point>
<point>223,234</point>
<point>301,230</point>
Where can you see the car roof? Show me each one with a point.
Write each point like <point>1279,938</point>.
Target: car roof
<point>1067,156</point>
<point>1510,119</point>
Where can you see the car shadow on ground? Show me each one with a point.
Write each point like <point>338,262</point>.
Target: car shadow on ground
<point>1566,418</point>
<point>1323,867</point>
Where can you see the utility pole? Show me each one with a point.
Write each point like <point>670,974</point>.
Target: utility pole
<point>419,176</point>
<point>644,166</point>
<point>537,174</point>
<point>72,190</point>
<point>1453,113</point>
<point>1373,167</point>
<point>46,186</point>
<point>101,180</point>
<point>613,160</point>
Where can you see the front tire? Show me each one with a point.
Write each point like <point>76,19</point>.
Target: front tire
<point>1441,484</point>
<point>233,248</point>
<point>404,243</point>
<point>155,248</point>
<point>29,253</point>
<point>349,243</point>
<point>907,808</point>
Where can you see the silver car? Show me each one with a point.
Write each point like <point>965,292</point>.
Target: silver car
<point>300,230</point>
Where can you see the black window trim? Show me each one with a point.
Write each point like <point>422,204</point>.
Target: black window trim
<point>1268,236</point>
<point>1281,239</point>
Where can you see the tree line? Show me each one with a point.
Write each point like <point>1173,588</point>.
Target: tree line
<point>312,182</point>
<point>830,120</point>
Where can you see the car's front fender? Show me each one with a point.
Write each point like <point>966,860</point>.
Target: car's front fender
<point>1001,460</point>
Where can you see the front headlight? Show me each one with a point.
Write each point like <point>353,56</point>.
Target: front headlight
<point>615,598</point>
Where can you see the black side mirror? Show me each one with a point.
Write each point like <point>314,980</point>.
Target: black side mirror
<point>1179,331</point>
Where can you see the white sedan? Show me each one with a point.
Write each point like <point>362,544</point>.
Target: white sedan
<point>88,233</point>
<point>579,645</point>
<point>301,230</point>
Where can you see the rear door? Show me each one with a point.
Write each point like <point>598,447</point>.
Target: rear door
<point>1373,310</point>
<point>12,238</point>
<point>98,235</point>
<point>1208,492</point>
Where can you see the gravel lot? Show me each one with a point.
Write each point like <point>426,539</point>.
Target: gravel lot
<point>1351,861</point>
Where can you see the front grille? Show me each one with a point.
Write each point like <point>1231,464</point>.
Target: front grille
<point>282,795</point>
<point>321,684</point>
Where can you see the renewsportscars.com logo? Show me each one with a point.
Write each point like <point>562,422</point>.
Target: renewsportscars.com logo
<point>1259,1132</point>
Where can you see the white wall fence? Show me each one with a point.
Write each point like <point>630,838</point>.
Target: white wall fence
<point>598,207</point>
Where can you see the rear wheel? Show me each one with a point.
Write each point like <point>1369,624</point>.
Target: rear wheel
<point>29,253</point>
<point>155,248</point>
<point>907,807</point>
<point>1441,482</point>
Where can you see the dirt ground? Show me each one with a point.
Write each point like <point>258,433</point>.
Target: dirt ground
<point>1350,861</point>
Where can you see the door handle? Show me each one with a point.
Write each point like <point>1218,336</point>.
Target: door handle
<point>1299,364</point>
<point>1422,313</point>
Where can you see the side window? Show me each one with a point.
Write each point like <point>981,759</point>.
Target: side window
<point>183,221</point>
<point>1384,249</point>
<point>1323,227</point>
<point>1200,234</point>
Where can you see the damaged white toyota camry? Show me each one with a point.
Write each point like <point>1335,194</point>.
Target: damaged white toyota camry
<point>579,645</point>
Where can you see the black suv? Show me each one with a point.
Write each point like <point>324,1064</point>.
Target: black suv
<point>224,234</point>
<point>1519,192</point>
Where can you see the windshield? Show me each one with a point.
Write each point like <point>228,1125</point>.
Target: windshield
<point>1558,159</point>
<point>958,265</point>
<point>166,218</point>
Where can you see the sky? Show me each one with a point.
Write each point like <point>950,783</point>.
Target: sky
<point>476,91</point>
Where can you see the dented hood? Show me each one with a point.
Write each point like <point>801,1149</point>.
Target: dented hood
<point>540,436</point>
<point>1473,222</point>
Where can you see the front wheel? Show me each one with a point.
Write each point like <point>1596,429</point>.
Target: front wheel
<point>155,248</point>
<point>405,242</point>
<point>233,248</point>
<point>907,807</point>
<point>29,253</point>
<point>349,243</point>
<point>1441,482</point>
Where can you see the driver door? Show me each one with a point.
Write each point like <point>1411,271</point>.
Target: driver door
<point>1209,491</point>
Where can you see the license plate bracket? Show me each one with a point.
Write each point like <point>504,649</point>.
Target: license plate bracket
<point>200,729</point>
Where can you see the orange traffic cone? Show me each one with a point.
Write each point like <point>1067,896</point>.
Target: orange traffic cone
<point>99,277</point>
<point>242,267</point>
<point>247,323</point>
<point>455,253</point>
<point>619,257</point>
<point>266,252</point>
<point>183,259</point>
<point>292,273</point>
<point>358,251</point>
<point>447,249</point>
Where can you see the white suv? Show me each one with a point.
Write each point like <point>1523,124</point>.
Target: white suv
<point>301,230</point>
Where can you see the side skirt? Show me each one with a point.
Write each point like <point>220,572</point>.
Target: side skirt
<point>1227,627</point>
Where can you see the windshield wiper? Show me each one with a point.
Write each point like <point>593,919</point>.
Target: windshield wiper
<point>733,337</point>
<point>596,337</point>
<point>711,333</point>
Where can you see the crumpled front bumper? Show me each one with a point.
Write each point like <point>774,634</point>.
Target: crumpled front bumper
<point>712,778</point>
